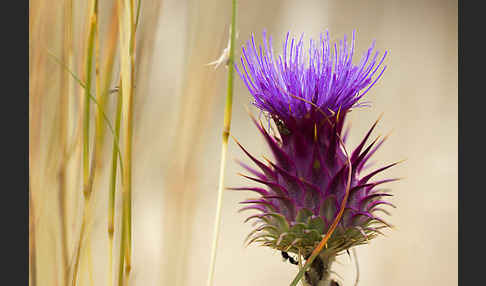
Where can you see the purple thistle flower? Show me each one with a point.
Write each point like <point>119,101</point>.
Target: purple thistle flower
<point>308,96</point>
<point>326,77</point>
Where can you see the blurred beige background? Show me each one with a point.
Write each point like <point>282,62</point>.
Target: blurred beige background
<point>178,133</point>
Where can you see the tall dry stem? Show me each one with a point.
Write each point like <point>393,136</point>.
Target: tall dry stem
<point>225,135</point>
<point>127,49</point>
<point>108,67</point>
<point>87,181</point>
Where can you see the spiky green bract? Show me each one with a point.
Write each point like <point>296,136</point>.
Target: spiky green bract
<point>306,183</point>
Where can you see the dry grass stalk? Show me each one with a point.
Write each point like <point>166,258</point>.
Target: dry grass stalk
<point>108,67</point>
<point>87,179</point>
<point>225,135</point>
<point>127,47</point>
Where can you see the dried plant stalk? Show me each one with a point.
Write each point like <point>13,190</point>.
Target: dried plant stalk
<point>87,181</point>
<point>111,50</point>
<point>127,48</point>
<point>226,132</point>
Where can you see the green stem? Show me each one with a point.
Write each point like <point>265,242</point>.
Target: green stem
<point>93,47</point>
<point>229,95</point>
<point>127,48</point>
<point>89,67</point>
<point>123,244</point>
<point>128,145</point>
<point>138,14</point>
<point>86,180</point>
<point>226,132</point>
<point>80,242</point>
<point>319,273</point>
<point>114,166</point>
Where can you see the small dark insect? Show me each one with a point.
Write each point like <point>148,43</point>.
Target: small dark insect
<point>281,127</point>
<point>286,256</point>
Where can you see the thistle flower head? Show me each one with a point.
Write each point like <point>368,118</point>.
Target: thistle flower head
<point>294,83</point>
<point>301,190</point>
